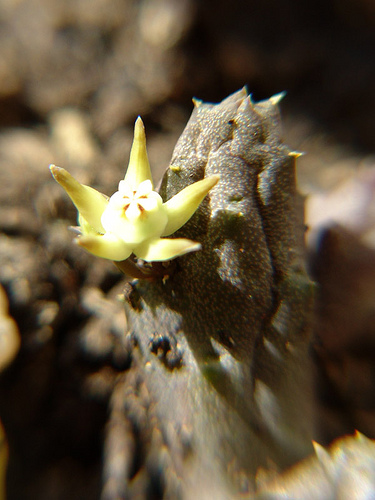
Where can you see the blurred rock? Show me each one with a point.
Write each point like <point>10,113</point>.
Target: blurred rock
<point>344,269</point>
<point>346,470</point>
<point>9,335</point>
<point>350,203</point>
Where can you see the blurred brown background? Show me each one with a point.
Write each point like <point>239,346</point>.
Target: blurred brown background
<point>74,75</point>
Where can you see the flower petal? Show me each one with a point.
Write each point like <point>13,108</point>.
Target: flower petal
<point>148,203</point>
<point>107,246</point>
<point>139,167</point>
<point>89,202</point>
<point>144,189</point>
<point>133,212</point>
<point>125,190</point>
<point>160,249</point>
<point>84,226</point>
<point>183,205</point>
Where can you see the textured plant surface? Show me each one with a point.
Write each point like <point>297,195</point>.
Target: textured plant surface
<point>225,339</point>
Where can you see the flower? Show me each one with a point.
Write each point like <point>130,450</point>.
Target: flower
<point>134,220</point>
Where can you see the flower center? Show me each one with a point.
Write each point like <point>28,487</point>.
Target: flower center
<point>134,203</point>
<point>135,214</point>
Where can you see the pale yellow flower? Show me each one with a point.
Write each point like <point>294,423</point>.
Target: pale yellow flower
<point>135,219</point>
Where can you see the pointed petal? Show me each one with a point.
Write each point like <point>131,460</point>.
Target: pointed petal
<point>160,249</point>
<point>89,202</point>
<point>84,227</point>
<point>107,246</point>
<point>139,167</point>
<point>183,205</point>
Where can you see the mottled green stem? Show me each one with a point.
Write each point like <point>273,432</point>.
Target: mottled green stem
<point>225,338</point>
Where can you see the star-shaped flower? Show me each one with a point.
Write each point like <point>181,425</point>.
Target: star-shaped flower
<point>134,220</point>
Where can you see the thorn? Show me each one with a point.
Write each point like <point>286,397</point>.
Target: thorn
<point>321,453</point>
<point>246,105</point>
<point>296,154</point>
<point>275,99</point>
<point>175,168</point>
<point>359,436</point>
<point>250,101</point>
